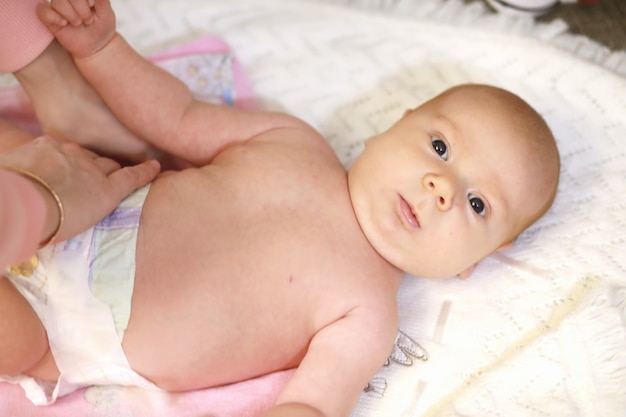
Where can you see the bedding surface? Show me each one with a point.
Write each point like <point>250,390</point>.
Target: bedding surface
<point>539,330</point>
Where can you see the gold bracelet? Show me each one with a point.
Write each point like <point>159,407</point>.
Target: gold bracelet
<point>54,194</point>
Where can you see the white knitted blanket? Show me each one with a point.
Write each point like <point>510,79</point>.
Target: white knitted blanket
<point>539,330</point>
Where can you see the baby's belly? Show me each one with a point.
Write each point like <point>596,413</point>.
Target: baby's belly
<point>229,283</point>
<point>211,303</point>
<point>203,334</point>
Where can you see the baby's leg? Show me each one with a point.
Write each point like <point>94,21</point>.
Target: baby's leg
<point>68,108</point>
<point>66,105</point>
<point>23,340</point>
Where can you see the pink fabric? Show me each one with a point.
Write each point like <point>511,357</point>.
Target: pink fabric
<point>245,399</point>
<point>244,93</point>
<point>23,36</point>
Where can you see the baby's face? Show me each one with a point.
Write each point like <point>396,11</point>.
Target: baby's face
<point>445,187</point>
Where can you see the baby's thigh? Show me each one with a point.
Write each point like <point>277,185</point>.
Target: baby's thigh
<point>23,340</point>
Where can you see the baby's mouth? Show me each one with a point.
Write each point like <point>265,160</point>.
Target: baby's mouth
<point>408,214</point>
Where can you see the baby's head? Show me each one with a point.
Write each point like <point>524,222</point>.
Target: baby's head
<point>455,180</point>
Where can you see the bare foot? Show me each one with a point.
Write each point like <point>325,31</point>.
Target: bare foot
<point>68,108</point>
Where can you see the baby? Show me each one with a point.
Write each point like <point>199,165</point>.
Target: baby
<point>268,255</point>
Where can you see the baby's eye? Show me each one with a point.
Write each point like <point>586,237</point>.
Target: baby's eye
<point>477,204</point>
<point>440,147</point>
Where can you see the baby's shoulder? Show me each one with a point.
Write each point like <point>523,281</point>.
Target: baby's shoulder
<point>374,295</point>
<point>298,136</point>
<point>373,322</point>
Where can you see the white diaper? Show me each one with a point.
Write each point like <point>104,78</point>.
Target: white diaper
<point>81,289</point>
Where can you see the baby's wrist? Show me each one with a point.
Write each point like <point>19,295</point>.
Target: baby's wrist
<point>99,49</point>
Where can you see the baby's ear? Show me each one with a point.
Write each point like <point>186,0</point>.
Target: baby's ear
<point>468,271</point>
<point>504,246</point>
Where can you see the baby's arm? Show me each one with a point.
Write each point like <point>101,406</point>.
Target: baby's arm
<point>340,361</point>
<point>152,103</point>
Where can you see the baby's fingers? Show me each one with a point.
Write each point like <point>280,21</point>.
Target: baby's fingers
<point>67,10</point>
<point>83,9</point>
<point>50,18</point>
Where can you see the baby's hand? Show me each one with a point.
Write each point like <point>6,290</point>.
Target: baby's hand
<point>83,27</point>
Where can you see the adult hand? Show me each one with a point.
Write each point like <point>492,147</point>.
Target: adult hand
<point>89,186</point>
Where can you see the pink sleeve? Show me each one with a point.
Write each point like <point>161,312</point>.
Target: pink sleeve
<point>22,217</point>
<point>22,36</point>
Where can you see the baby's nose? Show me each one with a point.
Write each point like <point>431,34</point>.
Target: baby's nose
<point>442,190</point>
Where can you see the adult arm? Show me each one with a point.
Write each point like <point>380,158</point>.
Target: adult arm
<point>26,218</point>
<point>22,36</point>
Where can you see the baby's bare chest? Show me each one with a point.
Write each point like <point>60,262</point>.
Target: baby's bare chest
<point>248,229</point>
<point>241,263</point>
<point>269,257</point>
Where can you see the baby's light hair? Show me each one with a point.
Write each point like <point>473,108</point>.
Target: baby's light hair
<point>542,148</point>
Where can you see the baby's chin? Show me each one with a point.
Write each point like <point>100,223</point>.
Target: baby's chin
<point>432,272</point>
